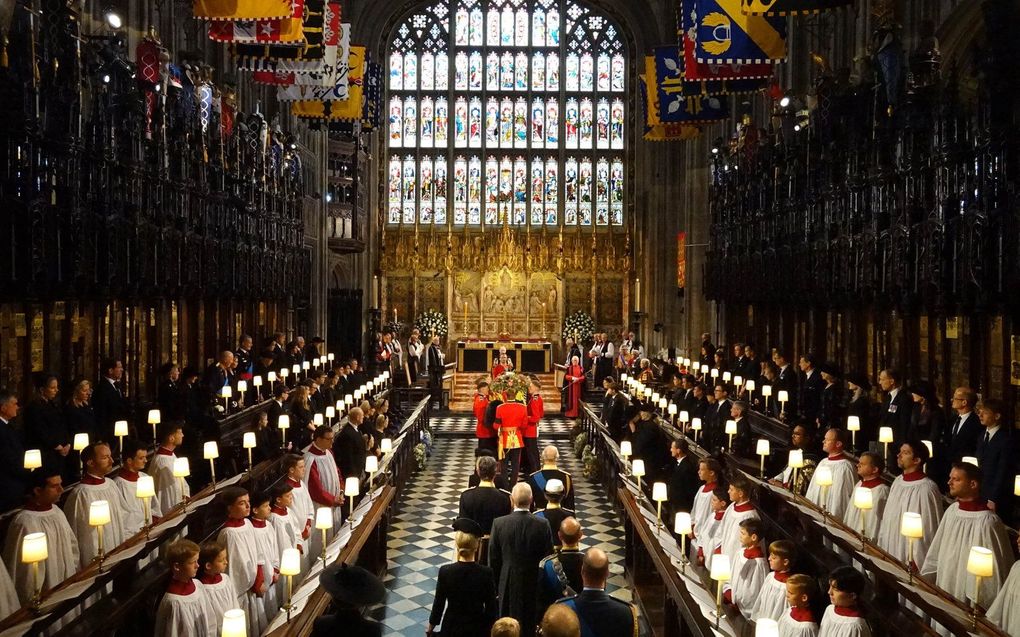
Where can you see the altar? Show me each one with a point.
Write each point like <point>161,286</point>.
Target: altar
<point>477,356</point>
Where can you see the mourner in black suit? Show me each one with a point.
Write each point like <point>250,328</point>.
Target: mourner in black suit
<point>519,542</point>
<point>600,614</point>
<point>681,476</point>
<point>996,455</point>
<point>961,437</point>
<point>434,363</point>
<point>277,408</point>
<point>349,447</point>
<point>13,476</point>
<point>484,503</point>
<point>809,393</point>
<point>108,400</point>
<point>465,599</point>
<point>786,380</point>
<point>44,427</point>
<point>897,405</point>
<point>614,409</point>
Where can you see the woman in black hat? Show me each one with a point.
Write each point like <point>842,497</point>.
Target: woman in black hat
<point>465,589</point>
<point>833,413</point>
<point>860,404</point>
<point>352,588</point>
<point>928,420</point>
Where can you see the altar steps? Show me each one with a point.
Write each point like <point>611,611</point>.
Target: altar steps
<point>464,392</point>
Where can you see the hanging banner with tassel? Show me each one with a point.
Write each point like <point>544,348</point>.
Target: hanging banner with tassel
<point>713,79</point>
<point>330,85</point>
<point>667,103</point>
<point>320,19</point>
<point>345,110</point>
<point>243,10</point>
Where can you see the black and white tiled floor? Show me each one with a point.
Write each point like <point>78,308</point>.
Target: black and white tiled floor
<point>421,538</point>
<point>464,425</point>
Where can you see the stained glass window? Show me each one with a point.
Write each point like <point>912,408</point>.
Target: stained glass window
<point>522,145</point>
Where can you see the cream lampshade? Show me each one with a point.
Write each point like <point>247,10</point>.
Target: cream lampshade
<point>682,524</point>
<point>80,441</point>
<point>624,378</point>
<point>638,467</point>
<point>99,513</point>
<point>765,627</point>
<point>766,390</point>
<point>120,428</point>
<point>318,420</point>
<point>358,394</point>
<point>256,381</point>
<point>655,397</point>
<point>386,445</point>
<point>931,448</point>
<point>911,525</point>
<point>210,450</point>
<point>749,384</point>
<point>714,374</point>
<point>296,369</point>
<point>352,487</point>
<point>627,451</point>
<point>33,459</point>
<point>248,440</point>
<point>885,434</point>
<point>662,403</point>
<point>648,392</point>
<point>685,416</point>
<point>145,487</point>
<point>290,562</point>
<point>181,467</point>
<point>731,427</point>
<point>981,562</point>
<point>330,412</point>
<point>763,448</point>
<point>971,459</point>
<point>672,410</point>
<point>226,391</point>
<point>283,422</point>
<point>720,568</point>
<point>330,357</point>
<point>284,372</point>
<point>323,518</point>
<point>242,386</point>
<point>154,417</point>
<point>1016,485</point>
<point>349,399</point>
<point>796,460</point>
<point>306,365</point>
<point>271,377</point>
<point>659,492</point>
<point>371,464</point>
<point>823,476</point>
<point>235,623</point>
<point>726,376</point>
<point>738,380</point>
<point>784,396</point>
<point>853,423</point>
<point>696,424</point>
<point>863,498</point>
<point>34,548</point>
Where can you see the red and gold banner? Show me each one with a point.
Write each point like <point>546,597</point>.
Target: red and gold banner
<point>681,260</point>
<point>245,10</point>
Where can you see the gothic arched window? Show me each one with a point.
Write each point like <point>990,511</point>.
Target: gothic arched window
<point>506,110</point>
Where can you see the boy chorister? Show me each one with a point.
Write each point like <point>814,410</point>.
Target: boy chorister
<point>269,551</point>
<point>709,471</point>
<point>281,498</point>
<point>843,618</point>
<point>749,569</point>
<point>243,559</point>
<point>711,529</point>
<point>184,610</point>
<point>799,621</point>
<point>302,511</point>
<point>168,488</point>
<point>132,463</point>
<point>741,509</point>
<point>219,589</point>
<point>772,602</point>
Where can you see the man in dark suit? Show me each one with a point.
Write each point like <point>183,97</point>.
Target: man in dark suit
<point>716,417</point>
<point>349,447</point>
<point>681,476</point>
<point>217,376</point>
<point>434,362</point>
<point>737,362</point>
<point>484,503</point>
<point>519,542</point>
<point>108,400</point>
<point>786,380</point>
<point>897,405</point>
<point>960,436</point>
<point>996,457</point>
<point>752,368</point>
<point>600,614</point>
<point>13,476</point>
<point>277,408</point>
<point>245,359</point>
<point>614,407</point>
<point>809,394</point>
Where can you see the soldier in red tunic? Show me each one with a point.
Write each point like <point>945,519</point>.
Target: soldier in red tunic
<point>486,434</point>
<point>511,419</point>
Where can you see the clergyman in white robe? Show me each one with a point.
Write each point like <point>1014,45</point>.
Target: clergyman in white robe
<point>1005,610</point>
<point>92,489</point>
<point>967,524</point>
<point>322,478</point>
<point>61,545</point>
<point>916,493</point>
<point>838,496</point>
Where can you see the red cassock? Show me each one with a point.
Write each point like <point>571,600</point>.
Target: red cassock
<point>511,419</point>
<point>481,404</point>
<point>497,370</point>
<point>536,410</point>
<point>575,380</point>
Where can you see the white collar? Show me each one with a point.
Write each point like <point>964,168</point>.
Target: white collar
<point>991,431</point>
<point>519,510</point>
<point>893,392</point>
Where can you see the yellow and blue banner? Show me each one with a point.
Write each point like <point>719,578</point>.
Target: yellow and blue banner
<point>724,34</point>
<point>790,7</point>
<point>667,101</point>
<point>349,109</point>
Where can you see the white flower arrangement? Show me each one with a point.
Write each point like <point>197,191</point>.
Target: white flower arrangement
<point>431,323</point>
<point>579,326</point>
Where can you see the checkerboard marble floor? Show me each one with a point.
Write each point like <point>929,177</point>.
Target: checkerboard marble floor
<point>464,425</point>
<point>421,539</point>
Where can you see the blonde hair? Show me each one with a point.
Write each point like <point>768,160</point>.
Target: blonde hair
<point>181,551</point>
<point>467,544</point>
<point>506,627</point>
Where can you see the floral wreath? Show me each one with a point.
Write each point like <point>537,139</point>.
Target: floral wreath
<point>579,326</point>
<point>431,323</point>
<point>513,387</point>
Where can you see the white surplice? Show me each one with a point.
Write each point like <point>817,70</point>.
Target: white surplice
<point>221,596</point>
<point>749,572</point>
<point>916,493</point>
<point>323,475</point>
<point>701,513</point>
<point>269,557</point>
<point>797,623</point>
<point>61,544</point>
<point>134,518</point>
<point>168,488</point>
<point>243,566</point>
<point>837,498</point>
<point>8,596</point>
<point>960,529</point>
<point>184,615</point>
<point>836,625</point>
<point>872,519</point>
<point>771,602</point>
<point>729,533</point>
<point>76,508</point>
<point>1005,611</point>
